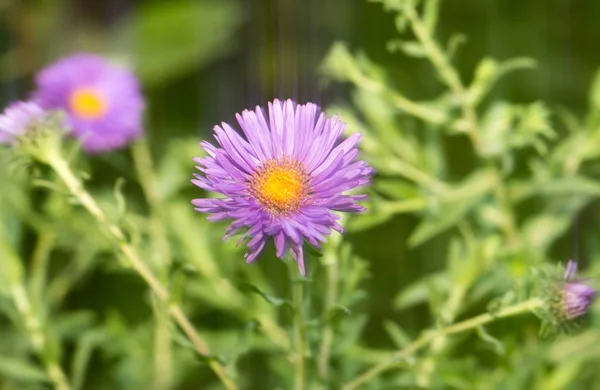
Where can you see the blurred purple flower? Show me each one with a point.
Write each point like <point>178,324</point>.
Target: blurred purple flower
<point>103,103</point>
<point>577,296</point>
<point>16,119</point>
<point>284,180</point>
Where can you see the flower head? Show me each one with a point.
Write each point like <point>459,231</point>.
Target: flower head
<point>577,296</point>
<point>283,180</point>
<point>17,119</point>
<point>103,103</point>
<point>566,298</point>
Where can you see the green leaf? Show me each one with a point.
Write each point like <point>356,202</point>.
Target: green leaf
<point>273,300</point>
<point>569,186</point>
<point>396,333</point>
<point>175,37</point>
<point>367,221</point>
<point>21,370</point>
<point>541,230</point>
<point>460,200</point>
<point>410,48</point>
<point>489,71</point>
<point>82,355</point>
<point>72,324</point>
<point>121,202</point>
<point>430,15</point>
<point>594,101</point>
<point>341,66</point>
<point>454,43</point>
<point>489,339</point>
<point>418,292</point>
<point>397,189</point>
<point>350,331</point>
<point>532,123</point>
<point>313,250</point>
<point>495,129</point>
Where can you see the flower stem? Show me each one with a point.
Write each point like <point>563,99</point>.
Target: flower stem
<point>38,337</point>
<point>145,170</point>
<point>429,336</point>
<point>299,331</point>
<point>144,165</point>
<point>332,270</point>
<point>328,332</point>
<point>450,76</point>
<point>60,166</point>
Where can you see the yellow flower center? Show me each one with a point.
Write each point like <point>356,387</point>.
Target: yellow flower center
<point>88,103</point>
<point>280,186</point>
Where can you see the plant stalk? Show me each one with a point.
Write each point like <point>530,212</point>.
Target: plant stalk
<point>299,332</point>
<point>60,166</point>
<point>429,336</point>
<point>163,347</point>
<point>331,296</point>
<point>38,338</point>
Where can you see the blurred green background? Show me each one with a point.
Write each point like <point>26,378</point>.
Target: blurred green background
<point>202,61</point>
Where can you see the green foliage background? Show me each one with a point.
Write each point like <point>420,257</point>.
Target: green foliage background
<point>458,218</point>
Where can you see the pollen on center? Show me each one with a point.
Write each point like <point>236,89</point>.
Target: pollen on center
<point>281,186</point>
<point>88,103</point>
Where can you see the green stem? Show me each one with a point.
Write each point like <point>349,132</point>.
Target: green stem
<point>452,79</point>
<point>429,336</point>
<point>415,109</point>
<point>145,170</point>
<point>299,331</point>
<point>412,173</point>
<point>450,76</point>
<point>60,166</point>
<point>510,225</point>
<point>142,159</point>
<point>331,297</point>
<point>38,338</point>
<point>39,264</point>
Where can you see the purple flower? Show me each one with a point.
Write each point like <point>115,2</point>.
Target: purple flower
<point>16,120</point>
<point>103,103</point>
<point>577,297</point>
<point>283,180</point>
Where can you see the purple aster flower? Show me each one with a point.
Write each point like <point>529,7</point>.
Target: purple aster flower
<point>103,103</point>
<point>16,120</point>
<point>283,180</point>
<point>577,297</point>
